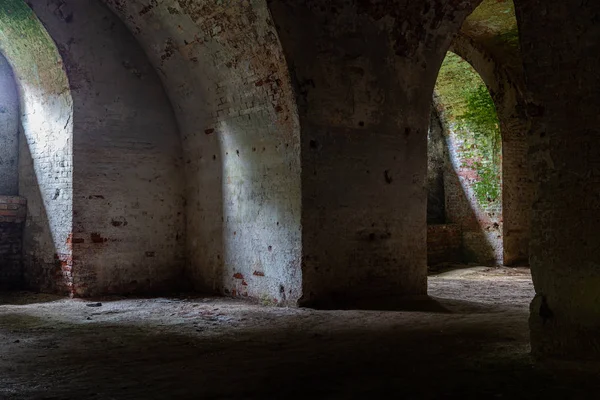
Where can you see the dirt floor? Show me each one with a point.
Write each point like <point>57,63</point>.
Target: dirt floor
<point>472,343</point>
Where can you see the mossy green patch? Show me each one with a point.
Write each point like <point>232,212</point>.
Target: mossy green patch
<point>471,116</point>
<point>495,16</point>
<point>26,44</point>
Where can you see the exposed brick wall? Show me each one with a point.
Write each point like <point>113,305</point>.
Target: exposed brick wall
<point>97,162</point>
<point>506,86</point>
<point>13,211</point>
<point>468,238</point>
<point>444,243</point>
<point>518,189</point>
<point>45,144</point>
<point>481,225</point>
<point>229,83</point>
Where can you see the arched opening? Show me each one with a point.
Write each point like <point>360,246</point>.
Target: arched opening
<point>464,170</point>
<point>45,126</point>
<point>100,154</point>
<point>489,45</point>
<point>479,193</point>
<point>308,189</point>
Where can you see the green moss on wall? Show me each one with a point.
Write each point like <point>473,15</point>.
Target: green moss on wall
<point>26,44</point>
<point>471,117</point>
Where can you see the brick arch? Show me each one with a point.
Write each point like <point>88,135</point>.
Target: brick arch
<point>46,137</point>
<point>480,224</point>
<point>506,87</point>
<point>363,75</point>
<point>104,151</point>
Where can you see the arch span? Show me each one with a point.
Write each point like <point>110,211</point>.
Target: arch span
<point>473,168</point>
<point>46,149</point>
<point>100,156</point>
<point>363,75</point>
<point>507,89</point>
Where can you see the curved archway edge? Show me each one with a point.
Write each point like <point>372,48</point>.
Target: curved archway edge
<point>46,145</point>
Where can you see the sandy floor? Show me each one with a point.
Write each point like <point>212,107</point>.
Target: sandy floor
<point>472,343</point>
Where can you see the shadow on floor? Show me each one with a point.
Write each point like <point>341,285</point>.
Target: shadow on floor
<point>109,361</point>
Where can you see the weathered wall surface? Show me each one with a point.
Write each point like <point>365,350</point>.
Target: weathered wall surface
<point>127,220</point>
<point>444,241</point>
<point>444,244</point>
<point>506,87</point>
<point>481,227</point>
<point>471,233</point>
<point>436,167</point>
<point>473,176</point>
<point>13,211</point>
<point>222,66</point>
<point>363,74</point>
<point>9,130</point>
<point>560,44</point>
<point>45,146</point>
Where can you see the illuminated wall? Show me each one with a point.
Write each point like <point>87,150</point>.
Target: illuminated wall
<point>45,156</point>
<point>473,172</point>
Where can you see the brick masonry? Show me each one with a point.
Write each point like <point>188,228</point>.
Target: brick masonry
<point>480,228</point>
<point>13,211</point>
<point>481,225</point>
<point>506,85</point>
<point>250,167</point>
<point>45,141</point>
<point>9,130</point>
<point>444,244</point>
<point>99,221</point>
